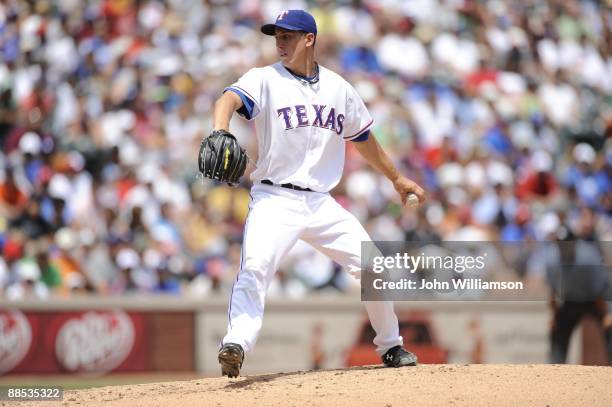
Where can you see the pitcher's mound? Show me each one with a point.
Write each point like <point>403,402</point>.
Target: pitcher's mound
<point>425,385</point>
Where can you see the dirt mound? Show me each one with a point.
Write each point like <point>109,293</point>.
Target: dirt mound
<point>425,385</point>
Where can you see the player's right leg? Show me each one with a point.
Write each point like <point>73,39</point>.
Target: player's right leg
<point>272,227</point>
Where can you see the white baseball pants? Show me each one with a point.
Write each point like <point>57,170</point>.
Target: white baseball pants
<point>277,218</point>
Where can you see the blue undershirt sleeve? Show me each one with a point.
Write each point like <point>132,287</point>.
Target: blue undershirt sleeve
<point>363,137</point>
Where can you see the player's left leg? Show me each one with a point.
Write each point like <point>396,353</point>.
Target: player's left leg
<point>338,234</point>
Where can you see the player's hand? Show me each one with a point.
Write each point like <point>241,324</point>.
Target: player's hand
<point>405,186</point>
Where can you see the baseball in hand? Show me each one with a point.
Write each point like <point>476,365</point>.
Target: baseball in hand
<point>412,200</point>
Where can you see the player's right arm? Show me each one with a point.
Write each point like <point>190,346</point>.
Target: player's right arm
<point>225,107</point>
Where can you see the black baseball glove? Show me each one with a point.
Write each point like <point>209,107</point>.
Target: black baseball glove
<point>221,157</point>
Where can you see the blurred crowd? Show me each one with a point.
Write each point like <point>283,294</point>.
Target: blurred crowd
<point>501,110</point>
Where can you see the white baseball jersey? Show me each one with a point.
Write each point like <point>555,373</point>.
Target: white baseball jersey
<point>301,127</point>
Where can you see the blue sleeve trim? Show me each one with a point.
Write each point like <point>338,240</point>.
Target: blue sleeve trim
<point>247,103</point>
<point>363,137</point>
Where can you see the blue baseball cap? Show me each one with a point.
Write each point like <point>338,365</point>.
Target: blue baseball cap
<point>292,20</point>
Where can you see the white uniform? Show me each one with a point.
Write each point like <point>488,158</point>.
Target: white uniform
<point>301,129</point>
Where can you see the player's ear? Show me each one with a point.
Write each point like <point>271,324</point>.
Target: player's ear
<point>310,39</point>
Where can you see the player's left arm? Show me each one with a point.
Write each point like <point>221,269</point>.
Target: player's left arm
<point>374,154</point>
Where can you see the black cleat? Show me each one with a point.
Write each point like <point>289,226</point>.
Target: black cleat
<point>398,357</point>
<point>231,357</point>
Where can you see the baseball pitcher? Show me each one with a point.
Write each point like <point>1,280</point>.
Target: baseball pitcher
<point>303,114</point>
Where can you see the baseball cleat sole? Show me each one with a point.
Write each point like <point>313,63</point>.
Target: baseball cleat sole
<point>230,361</point>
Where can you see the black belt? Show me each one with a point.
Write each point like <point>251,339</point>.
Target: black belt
<point>289,186</point>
